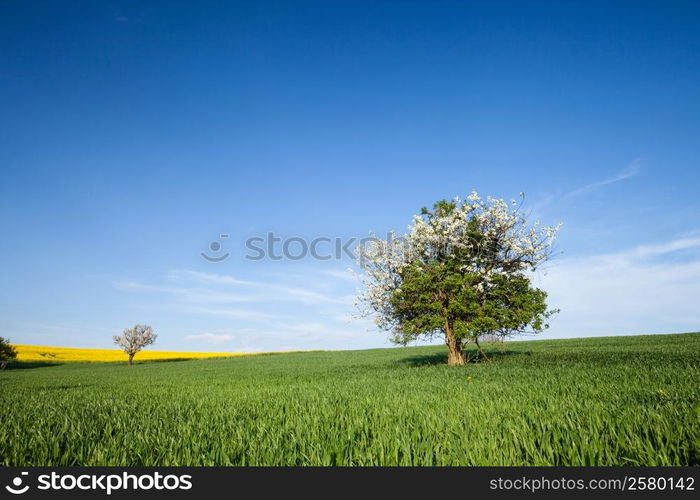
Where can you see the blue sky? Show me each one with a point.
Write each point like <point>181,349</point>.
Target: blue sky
<point>132,134</point>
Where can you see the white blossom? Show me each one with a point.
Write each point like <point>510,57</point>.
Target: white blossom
<point>508,245</point>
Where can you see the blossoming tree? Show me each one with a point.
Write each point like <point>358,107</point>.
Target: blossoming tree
<point>135,339</point>
<point>461,272</point>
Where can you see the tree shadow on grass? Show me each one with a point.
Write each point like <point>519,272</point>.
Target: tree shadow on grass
<point>425,360</point>
<point>441,358</point>
<point>24,365</point>
<point>169,360</point>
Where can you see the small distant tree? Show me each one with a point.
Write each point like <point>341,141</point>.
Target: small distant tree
<point>7,352</point>
<point>135,339</point>
<point>463,272</point>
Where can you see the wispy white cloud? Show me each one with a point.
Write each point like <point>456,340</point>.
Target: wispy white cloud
<point>188,294</point>
<point>545,200</point>
<point>211,338</point>
<point>219,279</point>
<point>345,275</point>
<point>649,288</point>
<point>628,172</point>
<point>233,313</point>
<point>263,290</point>
<point>197,287</point>
<point>59,335</point>
<point>265,313</point>
<point>665,248</point>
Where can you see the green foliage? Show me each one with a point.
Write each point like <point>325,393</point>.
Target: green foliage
<point>437,296</point>
<point>7,351</point>
<point>596,401</point>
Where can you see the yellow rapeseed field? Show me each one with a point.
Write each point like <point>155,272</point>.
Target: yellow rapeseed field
<point>64,354</point>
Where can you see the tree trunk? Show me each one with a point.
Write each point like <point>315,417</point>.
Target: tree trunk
<point>131,359</point>
<point>455,356</point>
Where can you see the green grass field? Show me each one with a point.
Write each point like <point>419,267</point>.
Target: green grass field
<point>605,401</point>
